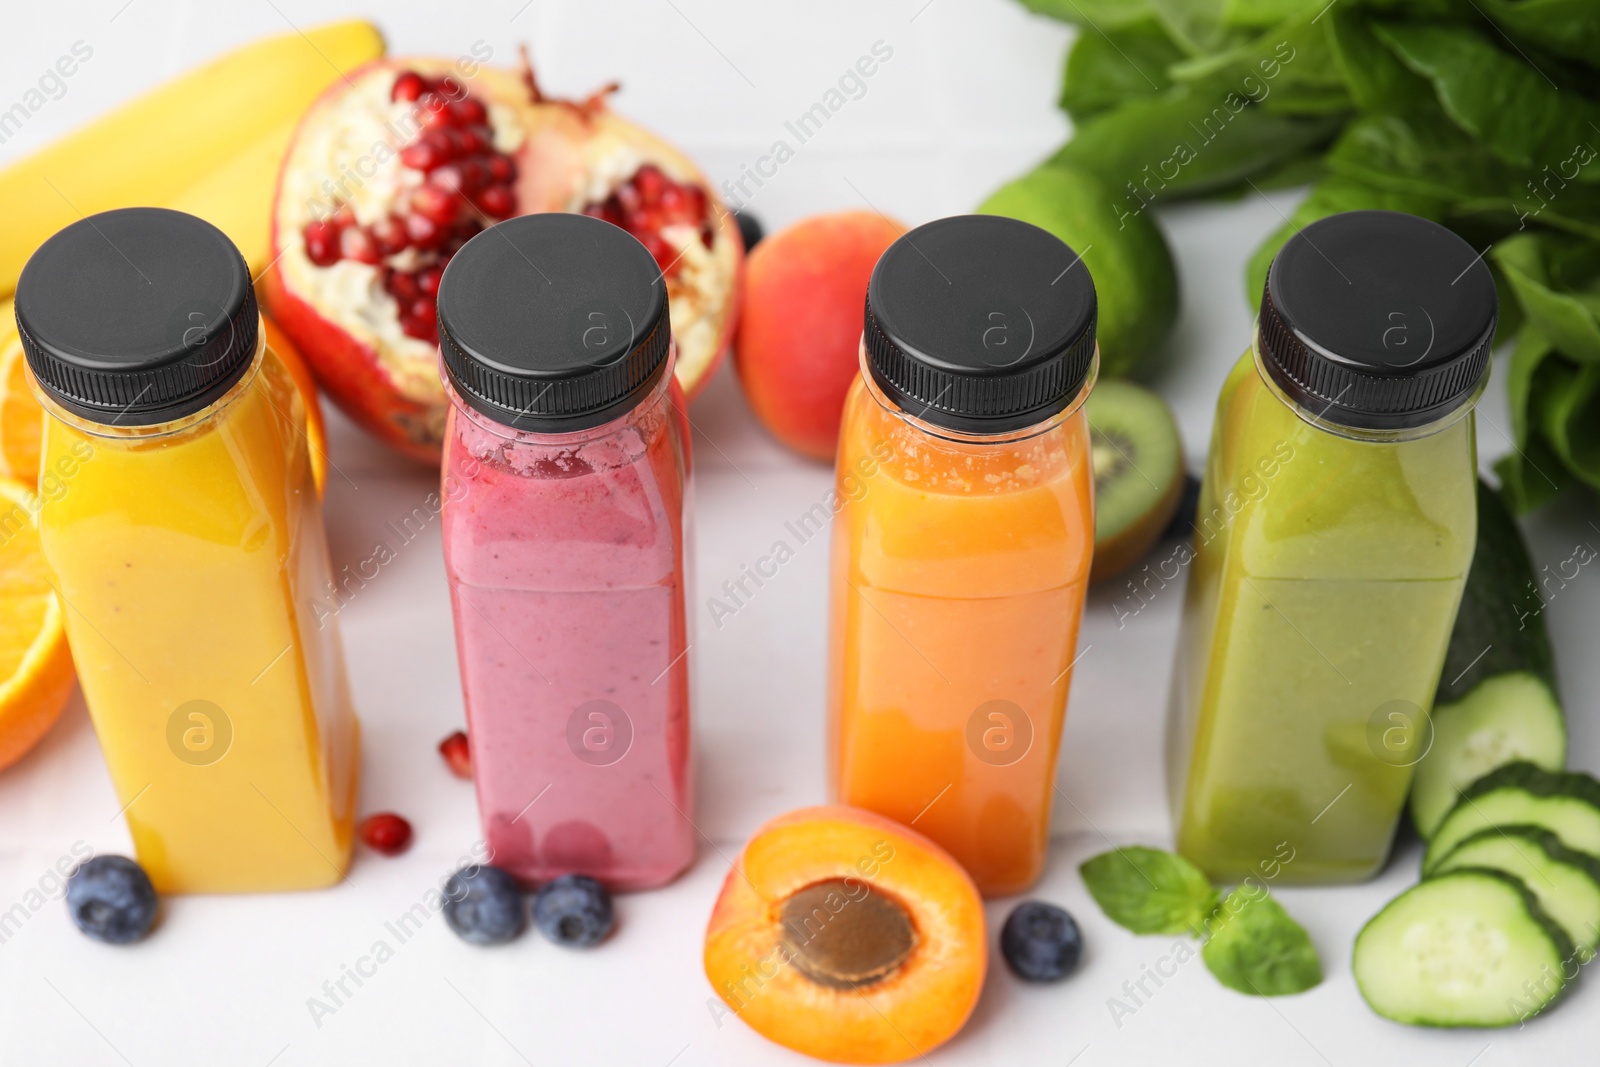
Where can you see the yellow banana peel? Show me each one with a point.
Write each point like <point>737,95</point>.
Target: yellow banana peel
<point>167,144</point>
<point>237,196</point>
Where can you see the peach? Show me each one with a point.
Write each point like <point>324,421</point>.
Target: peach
<point>800,330</point>
<point>848,937</point>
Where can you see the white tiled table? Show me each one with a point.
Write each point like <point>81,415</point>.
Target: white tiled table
<point>965,102</point>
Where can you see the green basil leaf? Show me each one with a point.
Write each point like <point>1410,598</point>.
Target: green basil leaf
<point>1409,154</point>
<point>1330,196</point>
<point>1511,317</point>
<point>1197,25</point>
<point>1149,891</point>
<point>1498,97</point>
<point>1307,168</point>
<point>1255,947</point>
<point>1566,27</point>
<point>1259,14</point>
<point>1290,68</point>
<point>1531,474</point>
<point>1188,141</point>
<point>1556,279</point>
<point>1526,477</point>
<point>1373,74</point>
<point>1106,14</point>
<point>1569,416</point>
<point>1107,68</point>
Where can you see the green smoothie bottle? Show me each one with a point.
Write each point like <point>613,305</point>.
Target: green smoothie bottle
<point>1337,521</point>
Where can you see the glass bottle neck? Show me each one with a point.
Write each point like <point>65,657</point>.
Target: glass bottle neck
<point>943,433</point>
<point>113,431</point>
<point>1316,420</point>
<point>647,403</point>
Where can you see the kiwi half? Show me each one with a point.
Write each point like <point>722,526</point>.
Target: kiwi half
<point>1138,473</point>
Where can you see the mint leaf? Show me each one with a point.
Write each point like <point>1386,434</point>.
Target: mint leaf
<point>1149,891</point>
<point>1255,947</point>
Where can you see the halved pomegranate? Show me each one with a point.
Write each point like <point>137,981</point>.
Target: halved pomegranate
<point>402,162</point>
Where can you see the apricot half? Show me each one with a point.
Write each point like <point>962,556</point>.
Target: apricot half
<point>848,937</point>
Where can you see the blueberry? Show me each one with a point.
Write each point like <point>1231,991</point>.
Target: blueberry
<point>484,905</point>
<point>1040,942</point>
<point>750,230</point>
<point>574,910</point>
<point>111,899</point>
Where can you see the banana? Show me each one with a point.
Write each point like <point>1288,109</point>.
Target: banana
<point>237,196</point>
<point>153,149</point>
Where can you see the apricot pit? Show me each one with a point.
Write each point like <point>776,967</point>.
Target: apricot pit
<point>848,937</point>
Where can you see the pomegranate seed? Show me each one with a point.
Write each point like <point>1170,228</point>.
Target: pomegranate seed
<point>470,112</point>
<point>355,243</point>
<point>322,242</point>
<point>658,248</point>
<point>407,87</point>
<point>434,202</point>
<point>456,754</point>
<point>474,175</point>
<point>420,327</point>
<point>403,287</point>
<point>502,169</point>
<point>696,208</point>
<point>672,199</point>
<point>650,181</point>
<point>428,280</point>
<point>389,235</point>
<point>386,832</point>
<point>449,144</point>
<point>446,177</point>
<point>628,198</point>
<point>422,155</point>
<point>707,237</point>
<point>605,210</point>
<point>433,111</point>
<point>498,201</point>
<point>476,140</point>
<point>643,221</point>
<point>423,231</point>
<point>449,88</point>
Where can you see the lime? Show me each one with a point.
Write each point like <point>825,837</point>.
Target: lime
<point>1134,279</point>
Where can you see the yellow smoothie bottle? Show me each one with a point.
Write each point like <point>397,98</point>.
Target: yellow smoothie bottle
<point>188,550</point>
<point>1337,520</point>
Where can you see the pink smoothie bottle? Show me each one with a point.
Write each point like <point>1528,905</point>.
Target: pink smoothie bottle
<point>566,485</point>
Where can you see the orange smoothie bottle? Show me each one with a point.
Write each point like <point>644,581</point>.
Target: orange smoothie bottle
<point>188,550</point>
<point>962,545</point>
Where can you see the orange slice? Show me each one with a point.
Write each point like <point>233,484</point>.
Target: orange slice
<point>35,667</point>
<point>20,418</point>
<point>300,371</point>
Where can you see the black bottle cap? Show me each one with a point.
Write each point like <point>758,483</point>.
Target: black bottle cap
<point>980,323</point>
<point>1377,320</point>
<point>553,322</point>
<point>137,316</point>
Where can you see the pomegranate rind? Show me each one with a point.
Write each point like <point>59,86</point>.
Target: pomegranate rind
<point>566,158</point>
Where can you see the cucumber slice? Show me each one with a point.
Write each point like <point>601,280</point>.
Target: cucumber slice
<point>1565,882</point>
<point>1497,698</point>
<point>1568,805</point>
<point>1505,718</point>
<point>1469,948</point>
